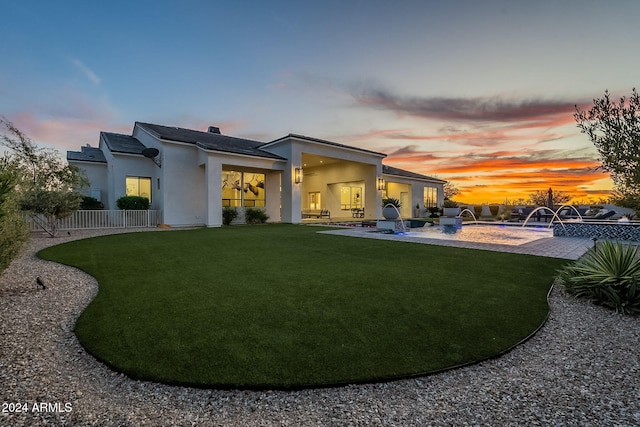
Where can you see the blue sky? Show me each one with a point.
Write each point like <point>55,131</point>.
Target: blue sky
<point>478,92</point>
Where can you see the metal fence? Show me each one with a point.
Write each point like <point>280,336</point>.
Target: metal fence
<point>101,219</point>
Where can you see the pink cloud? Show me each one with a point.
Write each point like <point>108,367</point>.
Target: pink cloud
<point>64,133</point>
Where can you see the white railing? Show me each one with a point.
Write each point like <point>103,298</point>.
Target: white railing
<point>101,219</point>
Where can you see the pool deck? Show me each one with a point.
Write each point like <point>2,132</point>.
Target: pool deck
<point>554,247</point>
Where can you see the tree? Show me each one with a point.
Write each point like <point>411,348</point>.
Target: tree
<point>46,185</point>
<point>614,128</point>
<point>450,190</point>
<point>541,197</point>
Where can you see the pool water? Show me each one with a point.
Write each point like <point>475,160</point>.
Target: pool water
<point>495,234</point>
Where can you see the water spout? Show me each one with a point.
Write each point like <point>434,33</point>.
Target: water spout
<point>404,227</point>
<point>541,208</point>
<point>472,214</point>
<point>572,207</point>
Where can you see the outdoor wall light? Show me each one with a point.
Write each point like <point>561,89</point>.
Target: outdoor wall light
<point>298,175</point>
<point>380,184</point>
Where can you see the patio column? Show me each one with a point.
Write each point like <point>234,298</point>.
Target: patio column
<point>272,195</point>
<point>213,176</point>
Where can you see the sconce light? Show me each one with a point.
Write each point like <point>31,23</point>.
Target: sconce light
<point>298,175</point>
<point>380,184</point>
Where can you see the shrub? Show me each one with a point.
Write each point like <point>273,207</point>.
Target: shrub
<point>606,276</point>
<point>52,204</point>
<point>91,204</point>
<point>255,216</point>
<point>391,200</point>
<point>13,233</point>
<point>450,204</point>
<point>13,229</point>
<point>228,215</point>
<point>133,203</point>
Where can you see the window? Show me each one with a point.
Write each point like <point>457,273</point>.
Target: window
<point>350,197</point>
<point>430,197</point>
<point>138,186</point>
<point>314,200</point>
<point>242,189</point>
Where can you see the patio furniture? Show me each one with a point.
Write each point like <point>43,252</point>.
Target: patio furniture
<point>317,213</point>
<point>357,212</point>
<point>520,214</point>
<point>600,217</point>
<point>569,213</point>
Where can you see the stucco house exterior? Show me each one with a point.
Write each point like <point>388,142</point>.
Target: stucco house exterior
<point>191,175</point>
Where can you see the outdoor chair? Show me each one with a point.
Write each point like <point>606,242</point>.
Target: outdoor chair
<point>600,217</point>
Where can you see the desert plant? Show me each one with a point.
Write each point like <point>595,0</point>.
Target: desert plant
<point>255,216</point>
<point>391,201</point>
<point>607,275</point>
<point>132,203</point>
<point>228,215</point>
<point>53,205</point>
<point>13,230</point>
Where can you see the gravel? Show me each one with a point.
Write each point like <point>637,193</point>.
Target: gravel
<point>582,368</point>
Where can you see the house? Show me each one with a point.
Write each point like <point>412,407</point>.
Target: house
<point>191,175</point>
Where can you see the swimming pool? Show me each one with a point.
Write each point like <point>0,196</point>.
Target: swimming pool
<point>495,234</point>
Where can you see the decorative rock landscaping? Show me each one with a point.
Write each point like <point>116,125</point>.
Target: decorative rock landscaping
<point>582,368</point>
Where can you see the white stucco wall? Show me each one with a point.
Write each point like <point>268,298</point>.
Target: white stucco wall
<point>96,173</point>
<point>330,178</point>
<point>184,186</point>
<point>126,165</point>
<point>396,184</point>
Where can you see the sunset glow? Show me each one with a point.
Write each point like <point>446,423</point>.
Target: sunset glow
<point>478,93</point>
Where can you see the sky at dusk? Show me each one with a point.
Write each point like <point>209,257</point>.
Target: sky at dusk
<point>481,93</point>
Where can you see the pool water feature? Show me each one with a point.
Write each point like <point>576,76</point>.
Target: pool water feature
<point>493,234</point>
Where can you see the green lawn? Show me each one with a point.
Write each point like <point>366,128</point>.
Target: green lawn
<point>283,306</point>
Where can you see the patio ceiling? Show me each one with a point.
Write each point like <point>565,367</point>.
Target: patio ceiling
<point>313,160</point>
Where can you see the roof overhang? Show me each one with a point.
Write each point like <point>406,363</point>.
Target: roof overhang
<point>322,142</point>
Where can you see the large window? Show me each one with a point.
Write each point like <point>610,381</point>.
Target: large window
<point>139,186</point>
<point>242,189</point>
<point>350,197</point>
<point>430,197</point>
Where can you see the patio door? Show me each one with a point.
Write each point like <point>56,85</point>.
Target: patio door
<point>314,200</point>
<point>405,201</point>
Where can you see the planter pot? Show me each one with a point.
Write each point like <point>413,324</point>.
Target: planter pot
<point>390,212</point>
<point>451,211</point>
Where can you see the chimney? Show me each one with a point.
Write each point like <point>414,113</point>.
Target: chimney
<point>213,129</point>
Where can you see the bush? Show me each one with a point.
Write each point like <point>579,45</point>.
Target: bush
<point>91,204</point>
<point>228,215</point>
<point>13,229</point>
<point>391,201</point>
<point>607,276</point>
<point>133,203</point>
<point>255,216</point>
<point>434,211</point>
<point>450,204</point>
<point>52,204</point>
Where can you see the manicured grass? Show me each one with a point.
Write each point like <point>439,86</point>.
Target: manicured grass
<point>283,306</point>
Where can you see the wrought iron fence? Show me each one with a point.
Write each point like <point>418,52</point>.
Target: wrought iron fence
<point>91,219</point>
